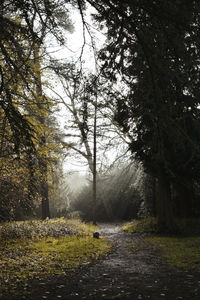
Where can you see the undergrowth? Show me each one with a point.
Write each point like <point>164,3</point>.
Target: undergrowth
<point>146,225</point>
<point>36,229</point>
<point>150,225</point>
<point>41,249</point>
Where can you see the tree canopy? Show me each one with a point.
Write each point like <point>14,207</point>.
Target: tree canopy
<point>26,134</point>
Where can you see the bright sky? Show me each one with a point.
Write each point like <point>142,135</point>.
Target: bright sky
<point>75,41</point>
<point>71,52</point>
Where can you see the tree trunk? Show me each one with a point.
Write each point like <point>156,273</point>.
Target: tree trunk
<point>31,186</point>
<point>166,221</point>
<point>44,192</point>
<point>184,198</point>
<point>95,168</point>
<point>42,142</point>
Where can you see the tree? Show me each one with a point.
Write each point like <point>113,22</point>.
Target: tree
<point>21,85</point>
<point>82,104</point>
<point>154,48</point>
<point>17,38</point>
<point>89,130</point>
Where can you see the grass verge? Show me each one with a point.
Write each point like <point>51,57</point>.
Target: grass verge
<point>181,251</point>
<point>61,247</point>
<point>146,225</point>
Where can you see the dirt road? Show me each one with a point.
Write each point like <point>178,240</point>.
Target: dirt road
<point>131,271</point>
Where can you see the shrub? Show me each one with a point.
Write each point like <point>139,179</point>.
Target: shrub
<point>37,229</point>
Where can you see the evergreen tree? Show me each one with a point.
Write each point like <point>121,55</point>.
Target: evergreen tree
<point>153,46</point>
<point>22,24</point>
<point>25,136</point>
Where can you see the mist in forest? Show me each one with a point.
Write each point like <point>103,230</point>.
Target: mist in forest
<point>121,194</point>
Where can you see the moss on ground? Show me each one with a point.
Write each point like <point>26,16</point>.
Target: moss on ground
<point>181,251</point>
<point>185,227</point>
<point>147,225</point>
<point>22,259</point>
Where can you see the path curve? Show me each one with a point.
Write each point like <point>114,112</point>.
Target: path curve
<point>131,271</point>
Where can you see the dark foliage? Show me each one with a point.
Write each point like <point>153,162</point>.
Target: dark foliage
<point>155,49</point>
<point>153,45</point>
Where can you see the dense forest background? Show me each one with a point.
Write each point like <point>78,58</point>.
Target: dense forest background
<point>132,117</point>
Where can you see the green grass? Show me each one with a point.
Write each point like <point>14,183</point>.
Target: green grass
<point>54,251</point>
<point>147,225</point>
<point>186,227</point>
<point>180,252</point>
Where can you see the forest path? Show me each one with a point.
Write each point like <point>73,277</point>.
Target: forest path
<point>131,271</point>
